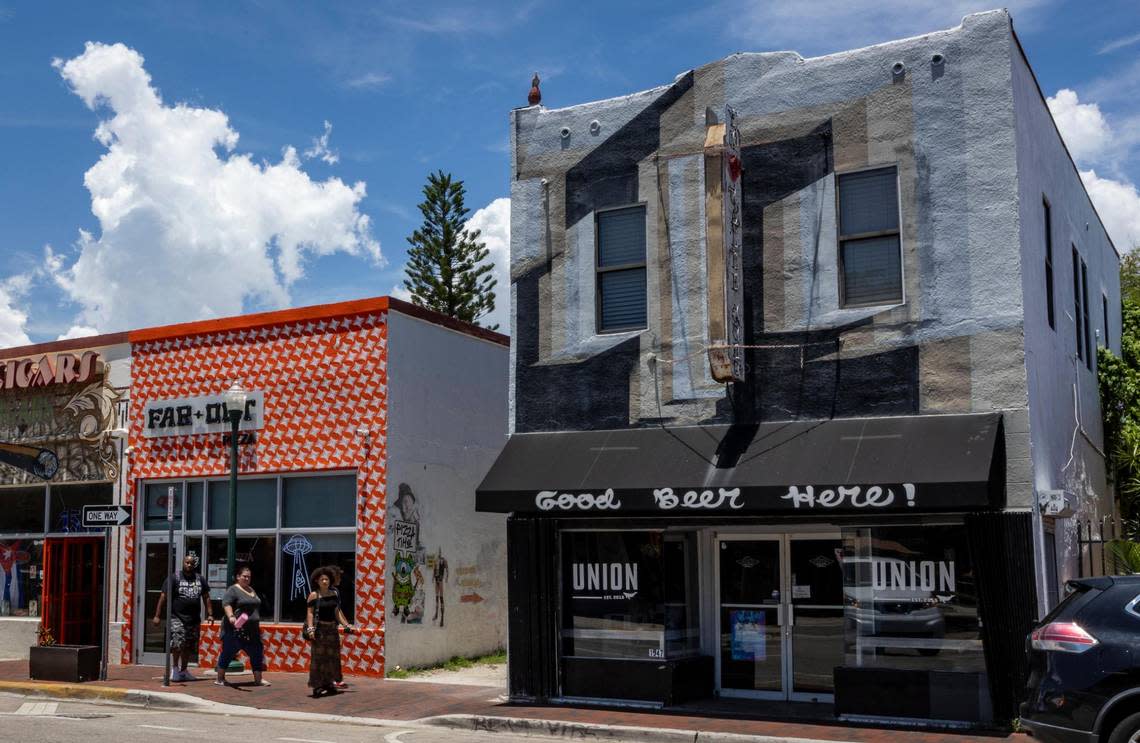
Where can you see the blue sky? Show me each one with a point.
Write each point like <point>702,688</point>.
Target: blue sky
<point>127,202</point>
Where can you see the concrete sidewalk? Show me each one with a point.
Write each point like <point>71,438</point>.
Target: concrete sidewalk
<point>376,701</point>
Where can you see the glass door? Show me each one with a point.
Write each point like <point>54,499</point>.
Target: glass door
<point>780,615</point>
<point>814,612</point>
<point>751,657</point>
<point>155,551</point>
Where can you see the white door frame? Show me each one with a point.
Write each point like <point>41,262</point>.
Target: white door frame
<point>785,612</point>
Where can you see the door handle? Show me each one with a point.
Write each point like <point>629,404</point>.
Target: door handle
<point>791,616</point>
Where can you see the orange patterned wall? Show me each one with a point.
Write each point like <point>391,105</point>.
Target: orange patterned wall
<point>323,379</point>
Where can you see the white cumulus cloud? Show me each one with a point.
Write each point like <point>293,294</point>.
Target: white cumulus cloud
<point>189,227</point>
<point>320,148</point>
<point>494,220</point>
<point>13,319</point>
<point>1118,204</point>
<point>1082,125</point>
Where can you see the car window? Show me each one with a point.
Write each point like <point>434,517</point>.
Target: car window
<point>1077,592</point>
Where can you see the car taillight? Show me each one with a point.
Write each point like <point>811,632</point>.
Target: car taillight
<point>1064,637</point>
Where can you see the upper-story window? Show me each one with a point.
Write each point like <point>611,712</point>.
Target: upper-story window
<point>621,291</point>
<point>1049,264</point>
<point>870,259</point>
<point>1081,308</point>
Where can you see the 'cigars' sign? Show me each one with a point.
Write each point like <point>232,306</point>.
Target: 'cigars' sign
<point>62,368</point>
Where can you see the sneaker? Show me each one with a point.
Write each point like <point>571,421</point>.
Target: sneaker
<point>179,675</point>
<point>340,685</point>
<point>220,683</point>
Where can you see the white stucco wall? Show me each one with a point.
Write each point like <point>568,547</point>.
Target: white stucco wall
<point>1066,435</point>
<point>447,421</point>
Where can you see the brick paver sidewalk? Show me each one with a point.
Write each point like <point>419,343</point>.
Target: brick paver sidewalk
<point>407,700</point>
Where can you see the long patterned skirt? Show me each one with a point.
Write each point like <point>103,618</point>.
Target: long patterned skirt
<point>324,668</point>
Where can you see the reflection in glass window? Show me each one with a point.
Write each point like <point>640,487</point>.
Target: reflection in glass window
<point>67,502</point>
<point>194,505</point>
<point>22,510</point>
<point>682,608</point>
<point>310,502</point>
<point>156,494</point>
<point>612,595</point>
<point>21,576</point>
<point>301,555</point>
<point>259,553</point>
<point>910,599</point>
<point>256,506</point>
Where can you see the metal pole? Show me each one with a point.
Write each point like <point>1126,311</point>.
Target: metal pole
<point>106,602</point>
<point>231,548</point>
<point>169,572</point>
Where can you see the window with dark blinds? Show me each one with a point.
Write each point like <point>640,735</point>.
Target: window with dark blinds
<point>621,303</point>
<point>1077,311</point>
<point>1049,265</point>
<point>869,249</point>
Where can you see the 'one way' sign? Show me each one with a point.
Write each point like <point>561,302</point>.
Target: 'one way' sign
<point>98,516</point>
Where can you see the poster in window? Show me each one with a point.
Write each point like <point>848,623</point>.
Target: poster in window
<point>747,634</point>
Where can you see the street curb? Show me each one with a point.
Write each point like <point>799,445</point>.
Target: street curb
<point>580,730</point>
<point>158,700</point>
<point>112,694</point>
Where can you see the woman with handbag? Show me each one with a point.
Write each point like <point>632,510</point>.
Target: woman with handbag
<point>323,619</point>
<point>241,630</point>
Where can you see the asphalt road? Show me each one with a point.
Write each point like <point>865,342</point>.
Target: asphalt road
<point>35,720</point>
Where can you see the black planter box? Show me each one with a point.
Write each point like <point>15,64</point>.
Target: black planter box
<point>64,662</point>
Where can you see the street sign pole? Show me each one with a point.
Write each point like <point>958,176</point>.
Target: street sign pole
<point>169,572</point>
<point>106,601</point>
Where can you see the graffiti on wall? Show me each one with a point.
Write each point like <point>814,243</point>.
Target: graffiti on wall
<point>71,421</point>
<point>411,563</point>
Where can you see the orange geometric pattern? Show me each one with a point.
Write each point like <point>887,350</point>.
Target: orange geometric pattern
<point>323,381</point>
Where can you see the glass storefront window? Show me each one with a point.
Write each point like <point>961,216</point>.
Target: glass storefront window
<point>156,494</point>
<point>67,502</point>
<point>260,554</point>
<point>682,607</point>
<point>910,599</point>
<point>309,502</point>
<point>613,595</point>
<point>256,506</point>
<point>301,554</point>
<point>21,576</point>
<point>194,506</point>
<point>22,510</point>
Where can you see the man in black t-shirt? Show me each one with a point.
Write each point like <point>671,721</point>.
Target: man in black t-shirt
<point>190,590</point>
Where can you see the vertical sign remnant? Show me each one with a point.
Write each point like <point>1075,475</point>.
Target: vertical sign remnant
<point>734,278</point>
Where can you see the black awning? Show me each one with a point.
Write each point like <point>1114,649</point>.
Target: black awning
<point>862,465</point>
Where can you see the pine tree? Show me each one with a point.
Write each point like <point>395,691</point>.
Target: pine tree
<point>447,269</point>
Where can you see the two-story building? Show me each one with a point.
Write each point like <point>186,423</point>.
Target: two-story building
<point>799,345</point>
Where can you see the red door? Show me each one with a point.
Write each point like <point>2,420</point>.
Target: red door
<point>73,589</point>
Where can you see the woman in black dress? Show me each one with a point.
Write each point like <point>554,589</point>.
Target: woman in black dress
<point>321,626</point>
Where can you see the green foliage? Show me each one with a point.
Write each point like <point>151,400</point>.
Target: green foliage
<point>447,269</point>
<point>1119,382</point>
<point>1130,277</point>
<point>455,663</point>
<point>1126,555</point>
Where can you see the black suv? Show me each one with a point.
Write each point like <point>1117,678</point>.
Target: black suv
<point>1084,666</point>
